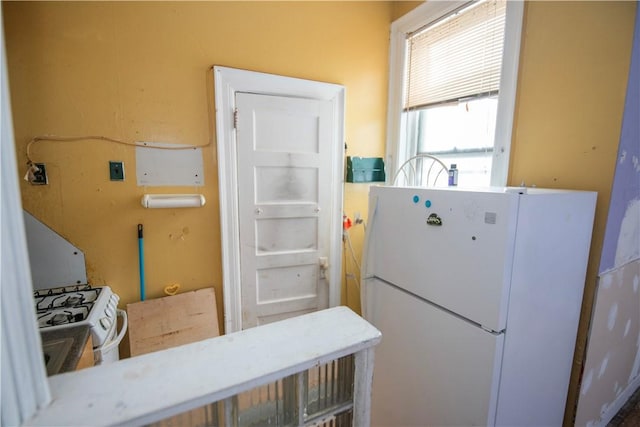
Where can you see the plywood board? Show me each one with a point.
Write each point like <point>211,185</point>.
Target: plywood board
<point>171,321</point>
<point>86,358</point>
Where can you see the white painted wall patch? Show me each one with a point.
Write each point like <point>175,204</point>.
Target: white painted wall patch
<point>612,368</point>
<point>628,248</point>
<point>636,362</point>
<point>603,366</point>
<point>586,382</point>
<point>613,314</point>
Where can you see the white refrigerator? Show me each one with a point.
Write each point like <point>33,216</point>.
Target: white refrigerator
<point>477,294</point>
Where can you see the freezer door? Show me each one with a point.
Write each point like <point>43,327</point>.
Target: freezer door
<point>431,368</point>
<point>451,247</point>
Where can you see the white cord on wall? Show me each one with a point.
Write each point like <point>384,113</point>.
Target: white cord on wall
<point>54,138</point>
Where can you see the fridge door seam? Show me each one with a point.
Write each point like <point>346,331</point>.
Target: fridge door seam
<point>438,306</point>
<point>492,332</point>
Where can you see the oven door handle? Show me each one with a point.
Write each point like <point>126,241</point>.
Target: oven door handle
<point>116,341</point>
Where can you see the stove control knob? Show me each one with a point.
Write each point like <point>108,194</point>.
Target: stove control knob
<point>105,323</point>
<point>109,311</point>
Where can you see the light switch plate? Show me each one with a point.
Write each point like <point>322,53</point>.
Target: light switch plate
<point>116,171</point>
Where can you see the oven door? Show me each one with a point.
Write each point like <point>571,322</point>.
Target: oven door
<point>108,351</point>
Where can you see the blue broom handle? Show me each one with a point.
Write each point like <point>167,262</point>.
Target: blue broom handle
<point>141,261</point>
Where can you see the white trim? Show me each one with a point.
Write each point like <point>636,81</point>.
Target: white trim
<point>363,383</point>
<point>418,18</point>
<point>227,82</point>
<point>508,90</point>
<point>24,380</point>
<point>151,387</point>
<point>614,407</point>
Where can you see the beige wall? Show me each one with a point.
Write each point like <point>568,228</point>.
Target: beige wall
<point>140,71</point>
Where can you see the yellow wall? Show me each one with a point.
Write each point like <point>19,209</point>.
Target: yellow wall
<point>401,8</point>
<point>574,64</point>
<point>140,71</point>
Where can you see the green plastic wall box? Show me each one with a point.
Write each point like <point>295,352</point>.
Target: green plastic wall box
<point>365,169</point>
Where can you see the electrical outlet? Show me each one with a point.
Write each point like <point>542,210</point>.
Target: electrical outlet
<point>38,174</point>
<point>116,171</point>
<point>357,218</point>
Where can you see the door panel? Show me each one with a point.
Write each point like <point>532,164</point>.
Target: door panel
<point>284,162</point>
<point>284,130</point>
<point>277,184</point>
<point>286,234</point>
<point>280,283</point>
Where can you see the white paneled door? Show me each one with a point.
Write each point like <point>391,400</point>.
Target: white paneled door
<point>284,187</point>
<point>280,143</point>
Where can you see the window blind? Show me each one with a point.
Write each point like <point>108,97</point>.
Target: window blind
<point>456,58</point>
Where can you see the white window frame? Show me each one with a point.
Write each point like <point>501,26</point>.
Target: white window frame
<point>431,11</point>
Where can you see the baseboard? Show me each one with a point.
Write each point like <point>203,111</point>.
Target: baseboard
<point>617,404</point>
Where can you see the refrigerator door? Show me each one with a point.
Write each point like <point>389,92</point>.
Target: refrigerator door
<point>549,270</point>
<point>431,368</point>
<point>451,247</point>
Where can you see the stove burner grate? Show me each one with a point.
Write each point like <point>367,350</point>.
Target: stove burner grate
<point>65,305</point>
<point>62,317</point>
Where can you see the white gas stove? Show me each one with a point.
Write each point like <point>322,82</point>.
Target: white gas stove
<point>55,263</point>
<point>67,306</point>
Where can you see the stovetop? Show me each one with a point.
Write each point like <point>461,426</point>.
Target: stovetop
<point>65,305</point>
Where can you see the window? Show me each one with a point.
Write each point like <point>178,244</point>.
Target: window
<point>452,86</point>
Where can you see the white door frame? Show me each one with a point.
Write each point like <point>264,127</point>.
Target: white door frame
<point>228,81</point>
